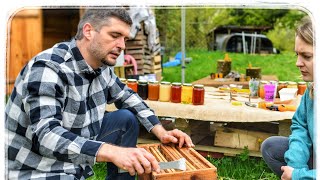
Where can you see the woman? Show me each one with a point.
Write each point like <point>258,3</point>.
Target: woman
<point>292,157</point>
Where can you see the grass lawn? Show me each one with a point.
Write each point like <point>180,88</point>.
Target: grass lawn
<point>205,62</point>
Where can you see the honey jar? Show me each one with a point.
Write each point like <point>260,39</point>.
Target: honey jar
<point>143,89</point>
<point>165,91</point>
<point>176,92</point>
<point>292,84</point>
<point>281,85</point>
<point>261,89</point>
<point>153,90</point>
<point>186,93</point>
<point>132,83</point>
<point>123,80</point>
<point>198,94</point>
<point>302,86</point>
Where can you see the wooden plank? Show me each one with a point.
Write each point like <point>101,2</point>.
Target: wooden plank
<point>237,138</point>
<point>131,47</point>
<point>157,59</point>
<point>138,56</point>
<point>135,43</point>
<point>224,150</point>
<point>23,43</point>
<point>284,128</point>
<point>156,67</point>
<point>27,13</point>
<point>207,81</point>
<point>135,51</point>
<point>205,174</point>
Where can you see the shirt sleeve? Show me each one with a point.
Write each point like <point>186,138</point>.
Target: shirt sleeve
<point>43,103</point>
<point>298,154</point>
<point>303,173</point>
<point>124,98</point>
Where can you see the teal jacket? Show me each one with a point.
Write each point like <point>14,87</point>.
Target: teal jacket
<point>302,140</point>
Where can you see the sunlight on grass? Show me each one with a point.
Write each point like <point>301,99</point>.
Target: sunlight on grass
<point>205,62</point>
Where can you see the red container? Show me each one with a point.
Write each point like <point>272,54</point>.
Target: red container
<point>176,92</point>
<point>198,94</point>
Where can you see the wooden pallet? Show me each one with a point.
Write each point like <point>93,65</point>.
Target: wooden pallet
<point>138,48</point>
<point>197,166</point>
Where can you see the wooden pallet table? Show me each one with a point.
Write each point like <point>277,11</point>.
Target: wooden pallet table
<point>207,81</point>
<point>218,109</point>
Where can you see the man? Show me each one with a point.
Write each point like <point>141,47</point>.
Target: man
<point>56,122</point>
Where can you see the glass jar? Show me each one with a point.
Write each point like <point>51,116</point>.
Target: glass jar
<point>123,80</point>
<point>302,86</point>
<point>281,85</point>
<point>176,92</point>
<point>198,94</point>
<point>292,85</point>
<point>153,90</point>
<point>186,93</point>
<point>143,89</point>
<point>132,83</point>
<point>261,89</point>
<point>165,91</point>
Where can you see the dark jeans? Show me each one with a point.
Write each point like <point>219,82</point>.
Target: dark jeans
<point>273,149</point>
<point>120,128</point>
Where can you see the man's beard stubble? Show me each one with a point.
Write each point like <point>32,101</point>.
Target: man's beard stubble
<point>94,49</point>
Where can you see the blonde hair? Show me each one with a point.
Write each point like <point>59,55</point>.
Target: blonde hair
<point>306,33</point>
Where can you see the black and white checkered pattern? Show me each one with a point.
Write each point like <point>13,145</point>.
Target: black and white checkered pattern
<point>55,113</point>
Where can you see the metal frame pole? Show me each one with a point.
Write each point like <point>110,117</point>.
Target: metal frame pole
<point>183,40</point>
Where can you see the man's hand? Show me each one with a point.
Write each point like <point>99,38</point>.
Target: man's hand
<point>131,159</point>
<point>174,136</point>
<point>287,172</point>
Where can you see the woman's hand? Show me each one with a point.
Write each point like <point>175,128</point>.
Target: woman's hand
<point>287,172</point>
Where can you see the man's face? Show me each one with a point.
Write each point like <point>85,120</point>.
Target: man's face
<point>304,62</point>
<point>106,45</point>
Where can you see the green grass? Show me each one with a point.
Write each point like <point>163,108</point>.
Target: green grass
<point>100,171</point>
<point>205,62</point>
<point>242,167</point>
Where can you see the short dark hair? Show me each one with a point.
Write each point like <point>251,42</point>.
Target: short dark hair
<point>100,17</point>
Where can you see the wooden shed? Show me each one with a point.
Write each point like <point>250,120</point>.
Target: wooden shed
<point>32,30</point>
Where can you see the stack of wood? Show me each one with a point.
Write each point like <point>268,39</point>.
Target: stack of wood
<point>148,60</point>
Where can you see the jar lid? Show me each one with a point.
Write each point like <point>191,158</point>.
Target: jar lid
<point>176,84</point>
<point>132,80</point>
<point>187,84</point>
<point>198,85</point>
<point>153,82</point>
<point>282,82</point>
<point>264,82</point>
<point>302,82</point>
<point>291,82</point>
<point>123,79</point>
<point>165,82</point>
<point>143,82</point>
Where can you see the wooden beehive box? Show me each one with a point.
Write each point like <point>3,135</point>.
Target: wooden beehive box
<point>197,166</point>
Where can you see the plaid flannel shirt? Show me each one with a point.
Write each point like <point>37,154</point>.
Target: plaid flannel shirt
<point>55,113</point>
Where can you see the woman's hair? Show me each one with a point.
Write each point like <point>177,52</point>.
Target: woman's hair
<point>306,33</point>
<point>100,17</point>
